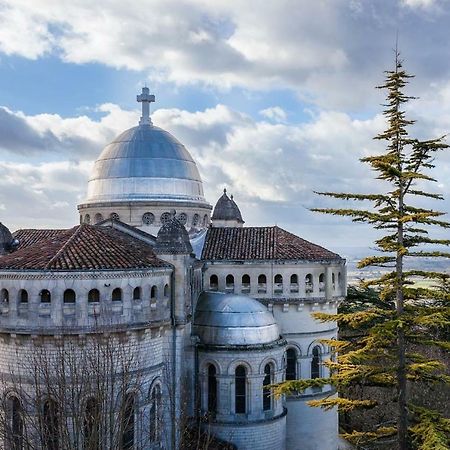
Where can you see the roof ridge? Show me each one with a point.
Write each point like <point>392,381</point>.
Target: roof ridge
<point>64,246</point>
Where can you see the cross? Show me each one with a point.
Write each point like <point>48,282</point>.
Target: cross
<point>145,98</point>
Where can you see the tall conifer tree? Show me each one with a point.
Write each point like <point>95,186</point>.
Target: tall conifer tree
<point>385,355</point>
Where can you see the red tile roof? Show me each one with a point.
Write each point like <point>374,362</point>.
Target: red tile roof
<point>261,243</point>
<point>84,247</point>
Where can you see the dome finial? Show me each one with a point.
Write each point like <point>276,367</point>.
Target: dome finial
<point>145,98</point>
<point>224,190</point>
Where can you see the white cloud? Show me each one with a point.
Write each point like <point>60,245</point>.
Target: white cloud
<point>275,113</point>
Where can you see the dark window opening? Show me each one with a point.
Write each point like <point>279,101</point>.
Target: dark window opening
<point>212,389</point>
<point>240,390</point>
<point>116,295</point>
<point>69,296</point>
<point>267,398</point>
<point>94,296</point>
<point>291,364</point>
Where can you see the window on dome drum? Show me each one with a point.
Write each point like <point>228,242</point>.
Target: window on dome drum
<point>128,420</point>
<point>23,296</point>
<point>4,295</point>
<point>155,414</point>
<point>165,218</point>
<point>240,395</point>
<point>278,284</point>
<point>262,284</point>
<point>229,283</point>
<point>294,283</point>
<point>315,362</point>
<point>94,296</point>
<point>309,286</point>
<point>45,296</point>
<point>153,292</point>
<point>114,216</point>
<point>87,218</point>
<point>195,220</point>
<point>166,290</point>
<point>321,282</point>
<point>291,364</point>
<point>182,218</point>
<point>92,425</point>
<point>116,295</point>
<point>50,425</point>
<point>14,435</point>
<point>148,218</point>
<point>98,218</point>
<point>213,283</point>
<point>69,296</point>
<point>246,284</point>
<point>137,293</point>
<point>212,389</point>
<point>205,220</point>
<point>268,380</point>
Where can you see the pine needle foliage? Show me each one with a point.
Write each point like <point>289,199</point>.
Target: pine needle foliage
<point>395,313</point>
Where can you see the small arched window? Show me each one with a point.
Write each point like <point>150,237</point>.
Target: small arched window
<point>339,279</point>
<point>128,420</point>
<point>195,220</point>
<point>137,293</point>
<point>155,414</point>
<point>278,284</point>
<point>212,389</point>
<point>45,296</point>
<point>50,425</point>
<point>4,295</point>
<point>268,380</point>
<point>114,216</point>
<point>93,296</point>
<point>262,283</point>
<point>309,286</point>
<point>333,280</point>
<point>98,218</point>
<point>321,282</point>
<point>87,218</point>
<point>116,295</point>
<point>14,435</point>
<point>92,425</point>
<point>246,283</point>
<point>69,296</point>
<point>148,218</point>
<point>153,292</point>
<point>229,282</point>
<point>294,282</point>
<point>23,296</point>
<point>166,290</point>
<point>213,283</point>
<point>240,376</point>
<point>315,362</point>
<point>291,364</point>
<point>205,220</point>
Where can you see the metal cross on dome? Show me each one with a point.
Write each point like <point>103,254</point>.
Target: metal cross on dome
<point>145,98</point>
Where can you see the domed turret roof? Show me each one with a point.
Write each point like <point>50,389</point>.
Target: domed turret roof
<point>226,209</point>
<point>230,319</point>
<point>173,238</point>
<point>145,163</point>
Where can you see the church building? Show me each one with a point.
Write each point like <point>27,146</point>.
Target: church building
<point>159,314</point>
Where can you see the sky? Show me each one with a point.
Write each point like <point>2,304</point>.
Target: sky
<point>274,99</point>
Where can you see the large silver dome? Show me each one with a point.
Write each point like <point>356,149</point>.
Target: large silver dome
<point>230,319</point>
<point>145,163</point>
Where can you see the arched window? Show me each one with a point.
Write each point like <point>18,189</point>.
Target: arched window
<point>87,218</point>
<point>309,286</point>
<point>128,422</point>
<point>291,364</point>
<point>315,362</point>
<point>116,295</point>
<point>294,282</point>
<point>246,283</point>
<point>213,283</point>
<point>339,279</point>
<point>23,296</point>
<point>154,292</point>
<point>4,295</point>
<point>278,284</point>
<point>205,220</point>
<point>262,283</point>
<point>92,425</point>
<point>229,283</point>
<point>195,220</point>
<point>45,296</point>
<point>98,218</point>
<point>155,414</point>
<point>212,389</point>
<point>137,293</point>
<point>93,296</point>
<point>50,425</point>
<point>14,436</point>
<point>148,218</point>
<point>114,216</point>
<point>321,282</point>
<point>166,290</point>
<point>333,280</point>
<point>69,296</point>
<point>268,380</point>
<point>240,396</point>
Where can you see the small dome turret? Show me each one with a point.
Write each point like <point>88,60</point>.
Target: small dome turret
<point>226,212</point>
<point>7,241</point>
<point>173,238</point>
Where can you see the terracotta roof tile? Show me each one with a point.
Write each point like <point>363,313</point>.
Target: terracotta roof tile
<point>260,243</point>
<point>84,247</point>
